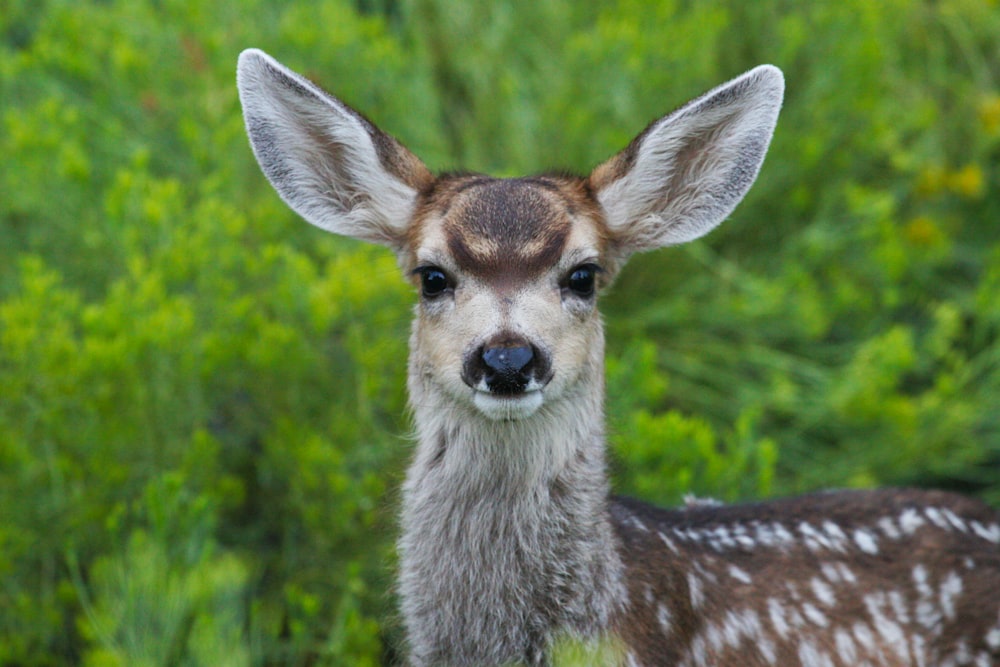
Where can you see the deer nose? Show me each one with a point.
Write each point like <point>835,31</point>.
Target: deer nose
<point>507,368</point>
<point>508,359</point>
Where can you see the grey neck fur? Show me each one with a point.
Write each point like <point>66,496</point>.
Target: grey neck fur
<point>506,537</point>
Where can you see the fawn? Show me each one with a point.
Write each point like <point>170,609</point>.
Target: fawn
<point>510,537</point>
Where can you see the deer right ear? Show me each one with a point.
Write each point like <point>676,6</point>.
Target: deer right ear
<point>329,163</point>
<point>688,170</point>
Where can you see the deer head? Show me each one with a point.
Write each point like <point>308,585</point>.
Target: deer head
<point>508,269</point>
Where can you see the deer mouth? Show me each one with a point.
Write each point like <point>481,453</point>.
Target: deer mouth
<point>508,406</point>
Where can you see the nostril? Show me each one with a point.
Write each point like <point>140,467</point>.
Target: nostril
<point>508,359</point>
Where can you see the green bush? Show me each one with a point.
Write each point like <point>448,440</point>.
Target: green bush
<point>202,418</point>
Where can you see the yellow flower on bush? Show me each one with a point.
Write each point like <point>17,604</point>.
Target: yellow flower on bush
<point>989,113</point>
<point>967,182</point>
<point>923,231</point>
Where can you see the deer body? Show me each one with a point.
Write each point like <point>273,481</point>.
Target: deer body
<point>510,538</point>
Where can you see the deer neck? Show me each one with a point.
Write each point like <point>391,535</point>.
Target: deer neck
<point>506,537</point>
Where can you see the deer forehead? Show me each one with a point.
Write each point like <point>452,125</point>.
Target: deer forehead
<point>508,232</point>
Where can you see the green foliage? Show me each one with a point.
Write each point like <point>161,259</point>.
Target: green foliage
<point>202,419</point>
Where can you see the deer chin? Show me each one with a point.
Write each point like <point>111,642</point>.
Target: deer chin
<point>508,407</point>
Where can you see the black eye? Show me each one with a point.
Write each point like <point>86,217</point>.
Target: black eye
<point>433,281</point>
<point>581,280</point>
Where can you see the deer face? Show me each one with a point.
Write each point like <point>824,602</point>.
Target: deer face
<point>508,272</point>
<point>507,269</point>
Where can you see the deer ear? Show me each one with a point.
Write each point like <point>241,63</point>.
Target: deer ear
<point>328,162</point>
<point>688,170</point>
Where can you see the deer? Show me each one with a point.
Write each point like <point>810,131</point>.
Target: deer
<point>510,536</point>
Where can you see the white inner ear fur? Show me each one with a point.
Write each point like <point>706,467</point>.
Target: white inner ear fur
<point>319,154</point>
<point>692,167</point>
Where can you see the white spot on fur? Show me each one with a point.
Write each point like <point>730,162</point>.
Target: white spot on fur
<point>993,639</point>
<point>865,541</point>
<point>837,572</point>
<point>845,647</point>
<point>927,613</point>
<point>694,588</point>
<point>810,655</point>
<point>815,540</point>
<point>888,527</point>
<point>815,615</point>
<point>935,516</point>
<point>836,535</point>
<point>918,646</point>
<point>899,607</point>
<point>782,534</point>
<point>776,612</point>
<point>951,587</point>
<point>991,532</point>
<point>890,631</point>
<point>739,575</point>
<point>865,636</point>
<point>910,521</point>
<point>663,617</point>
<point>637,523</point>
<point>667,541</point>
<point>823,592</point>
<point>724,538</point>
<point>955,520</point>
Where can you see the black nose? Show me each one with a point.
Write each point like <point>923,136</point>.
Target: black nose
<point>505,365</point>
<point>508,359</point>
<point>507,369</point>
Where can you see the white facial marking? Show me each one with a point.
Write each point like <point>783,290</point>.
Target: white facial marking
<point>502,408</point>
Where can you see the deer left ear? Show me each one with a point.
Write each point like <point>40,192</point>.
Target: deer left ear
<point>328,162</point>
<point>687,171</point>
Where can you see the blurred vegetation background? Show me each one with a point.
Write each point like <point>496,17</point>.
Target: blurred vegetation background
<point>202,416</point>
